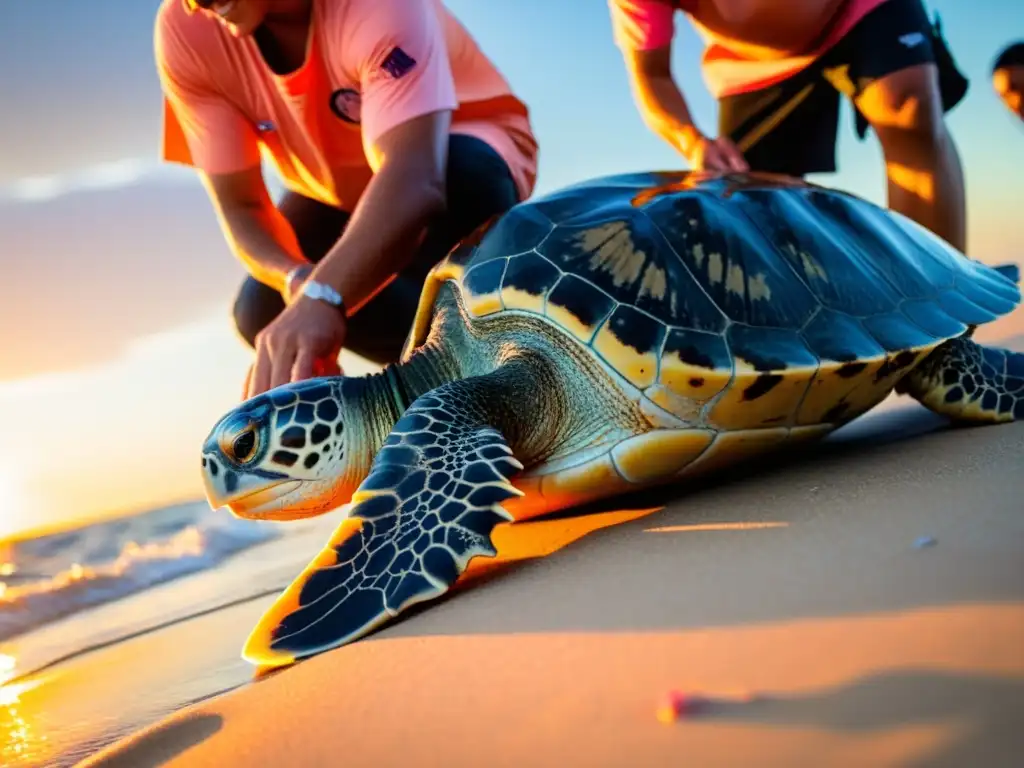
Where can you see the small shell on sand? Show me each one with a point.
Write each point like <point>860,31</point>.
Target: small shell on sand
<point>677,705</point>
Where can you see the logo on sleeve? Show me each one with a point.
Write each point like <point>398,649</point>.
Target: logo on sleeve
<point>912,39</point>
<point>398,63</point>
<point>347,104</point>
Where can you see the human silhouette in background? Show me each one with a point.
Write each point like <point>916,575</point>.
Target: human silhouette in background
<point>1008,78</point>
<point>778,75</point>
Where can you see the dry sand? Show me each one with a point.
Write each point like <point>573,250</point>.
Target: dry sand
<point>801,584</point>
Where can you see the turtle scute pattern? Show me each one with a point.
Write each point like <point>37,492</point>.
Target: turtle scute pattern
<point>977,382</point>
<point>307,425</point>
<point>733,302</point>
<point>428,506</point>
<point>301,436</point>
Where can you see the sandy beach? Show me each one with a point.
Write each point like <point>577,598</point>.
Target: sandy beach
<point>857,601</point>
<point>867,595</point>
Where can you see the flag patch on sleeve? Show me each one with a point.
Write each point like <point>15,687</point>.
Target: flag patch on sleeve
<point>398,63</point>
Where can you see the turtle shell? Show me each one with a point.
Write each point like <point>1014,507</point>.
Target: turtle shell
<point>742,301</point>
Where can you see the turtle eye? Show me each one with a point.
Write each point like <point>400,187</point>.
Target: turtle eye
<point>244,445</point>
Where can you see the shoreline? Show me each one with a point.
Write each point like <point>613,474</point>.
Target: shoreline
<point>790,582</point>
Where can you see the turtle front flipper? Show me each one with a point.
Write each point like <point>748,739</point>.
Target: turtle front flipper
<point>428,507</point>
<point>969,382</point>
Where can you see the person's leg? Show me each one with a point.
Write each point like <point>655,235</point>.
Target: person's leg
<point>926,181</point>
<point>317,227</point>
<point>479,186</point>
<point>787,128</point>
<point>893,78</point>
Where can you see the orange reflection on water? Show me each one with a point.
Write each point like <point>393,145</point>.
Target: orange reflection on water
<point>19,741</point>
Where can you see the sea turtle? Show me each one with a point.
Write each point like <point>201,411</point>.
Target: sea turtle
<point>619,333</point>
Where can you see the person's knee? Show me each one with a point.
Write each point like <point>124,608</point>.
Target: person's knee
<point>478,179</point>
<point>905,109</point>
<point>247,322</point>
<point>256,305</point>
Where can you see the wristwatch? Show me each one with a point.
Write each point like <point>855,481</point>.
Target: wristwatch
<point>301,272</point>
<point>323,292</point>
<point>314,290</point>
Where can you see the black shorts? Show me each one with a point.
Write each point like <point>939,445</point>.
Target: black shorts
<point>479,187</point>
<point>791,127</point>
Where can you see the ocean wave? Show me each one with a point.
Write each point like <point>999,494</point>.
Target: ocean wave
<point>54,576</point>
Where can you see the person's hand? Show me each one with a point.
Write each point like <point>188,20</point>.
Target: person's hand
<point>716,155</point>
<point>302,342</point>
<point>327,367</point>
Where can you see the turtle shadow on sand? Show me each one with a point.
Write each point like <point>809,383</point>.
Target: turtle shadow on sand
<point>876,430</point>
<point>982,711</point>
<point>746,495</point>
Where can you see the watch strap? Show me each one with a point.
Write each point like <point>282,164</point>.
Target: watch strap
<point>301,272</point>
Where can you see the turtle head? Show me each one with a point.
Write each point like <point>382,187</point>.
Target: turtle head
<point>282,454</point>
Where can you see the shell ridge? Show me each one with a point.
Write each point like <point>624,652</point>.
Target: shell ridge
<point>682,261</point>
<point>739,212</point>
<point>846,238</point>
<point>814,314</point>
<point>920,327</point>
<point>661,354</point>
<point>795,413</point>
<point>846,234</point>
<point>777,249</point>
<point>709,406</point>
<point>884,224</point>
<point>561,274</point>
<point>965,276</point>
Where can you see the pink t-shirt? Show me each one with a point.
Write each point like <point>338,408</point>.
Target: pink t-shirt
<point>370,65</point>
<point>643,25</point>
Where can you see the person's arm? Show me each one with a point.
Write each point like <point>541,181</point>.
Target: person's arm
<point>205,130</point>
<point>659,98</point>
<point>397,50</point>
<point>643,30</point>
<point>258,233</point>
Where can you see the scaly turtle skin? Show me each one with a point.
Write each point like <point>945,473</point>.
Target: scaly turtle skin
<point>620,333</point>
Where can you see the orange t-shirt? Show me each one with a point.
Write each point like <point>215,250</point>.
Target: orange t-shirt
<point>642,25</point>
<point>370,65</point>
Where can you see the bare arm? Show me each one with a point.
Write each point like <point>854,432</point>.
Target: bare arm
<point>660,100</point>
<point>405,193</point>
<point>255,229</point>
<point>663,107</point>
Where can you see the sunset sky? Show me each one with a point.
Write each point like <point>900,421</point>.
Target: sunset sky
<point>116,348</point>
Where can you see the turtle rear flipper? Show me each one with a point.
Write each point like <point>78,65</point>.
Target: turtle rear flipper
<point>969,382</point>
<point>428,507</point>
<point>1011,271</point>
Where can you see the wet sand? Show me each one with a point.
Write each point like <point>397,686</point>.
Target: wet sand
<point>805,585</point>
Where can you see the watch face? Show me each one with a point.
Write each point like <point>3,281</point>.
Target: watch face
<point>322,292</point>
